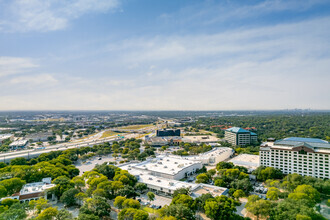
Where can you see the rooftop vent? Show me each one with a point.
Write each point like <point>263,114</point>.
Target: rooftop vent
<point>150,178</point>
<point>165,166</point>
<point>158,181</point>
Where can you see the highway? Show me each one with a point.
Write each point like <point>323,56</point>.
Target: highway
<point>88,141</point>
<point>32,153</point>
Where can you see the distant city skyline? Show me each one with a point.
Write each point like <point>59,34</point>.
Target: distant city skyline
<point>164,55</point>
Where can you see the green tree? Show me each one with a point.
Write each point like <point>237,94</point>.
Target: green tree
<point>239,194</point>
<point>83,216</point>
<point>184,200</point>
<point>179,211</point>
<point>18,161</point>
<point>312,193</point>
<point>3,191</point>
<point>119,200</point>
<point>131,203</point>
<point>15,212</point>
<point>221,207</point>
<point>47,214</point>
<point>203,178</point>
<point>141,187</point>
<point>132,214</point>
<point>39,204</point>
<point>224,165</point>
<point>63,183</point>
<point>151,196</point>
<point>258,207</point>
<point>182,190</point>
<point>97,206</point>
<point>12,185</point>
<point>68,197</point>
<point>273,193</point>
<point>63,214</point>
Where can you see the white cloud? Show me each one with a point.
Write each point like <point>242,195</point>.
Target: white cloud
<point>33,80</point>
<point>47,15</point>
<point>15,65</point>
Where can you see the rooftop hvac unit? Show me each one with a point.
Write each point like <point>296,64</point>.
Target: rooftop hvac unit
<point>158,181</point>
<point>150,178</point>
<point>171,184</point>
<point>175,162</point>
<point>165,166</point>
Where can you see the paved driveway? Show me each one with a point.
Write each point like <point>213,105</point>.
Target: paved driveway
<point>90,164</point>
<point>159,200</point>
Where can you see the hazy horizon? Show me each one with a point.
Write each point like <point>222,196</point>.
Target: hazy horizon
<point>145,55</point>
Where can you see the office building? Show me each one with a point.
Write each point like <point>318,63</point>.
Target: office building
<point>34,191</point>
<point>168,132</point>
<point>240,137</point>
<point>305,156</point>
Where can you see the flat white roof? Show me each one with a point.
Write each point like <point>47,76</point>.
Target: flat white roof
<point>170,184</point>
<point>200,138</point>
<point>35,187</point>
<point>18,143</point>
<point>165,164</point>
<point>212,153</point>
<point>5,136</point>
<point>246,160</point>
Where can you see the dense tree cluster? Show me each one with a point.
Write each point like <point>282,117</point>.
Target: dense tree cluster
<point>315,125</point>
<point>192,149</point>
<point>232,177</point>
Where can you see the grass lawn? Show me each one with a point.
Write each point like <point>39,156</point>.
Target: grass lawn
<point>136,127</point>
<point>109,134</point>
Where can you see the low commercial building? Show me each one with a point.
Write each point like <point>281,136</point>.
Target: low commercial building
<point>4,137</point>
<point>251,162</point>
<point>199,139</point>
<point>42,136</point>
<point>240,137</point>
<point>18,144</point>
<point>163,141</point>
<point>211,157</point>
<point>34,191</point>
<point>305,156</point>
<point>166,186</point>
<point>168,167</point>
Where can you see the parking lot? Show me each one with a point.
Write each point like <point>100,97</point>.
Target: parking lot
<point>159,200</point>
<point>90,164</point>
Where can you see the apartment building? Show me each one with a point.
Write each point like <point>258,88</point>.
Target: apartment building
<point>305,156</point>
<point>240,137</point>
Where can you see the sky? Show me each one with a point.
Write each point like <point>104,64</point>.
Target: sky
<point>164,55</point>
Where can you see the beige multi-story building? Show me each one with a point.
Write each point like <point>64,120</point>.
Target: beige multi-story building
<point>305,156</point>
<point>240,137</point>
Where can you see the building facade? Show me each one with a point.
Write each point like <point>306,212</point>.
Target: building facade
<point>305,156</point>
<point>168,132</point>
<point>240,137</point>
